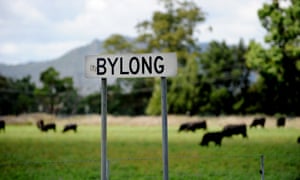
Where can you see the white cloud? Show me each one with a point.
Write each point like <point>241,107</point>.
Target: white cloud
<point>105,17</point>
<point>8,48</point>
<point>26,12</point>
<point>232,20</point>
<point>86,22</point>
<point>40,29</point>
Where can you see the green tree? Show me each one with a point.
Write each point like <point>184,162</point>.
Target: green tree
<point>124,91</point>
<point>170,31</point>
<point>116,43</point>
<point>242,78</point>
<point>17,95</point>
<point>68,96</point>
<point>7,99</point>
<point>26,101</point>
<point>223,67</point>
<point>128,99</point>
<point>173,30</point>
<point>90,104</point>
<point>56,93</point>
<point>278,64</point>
<point>183,95</point>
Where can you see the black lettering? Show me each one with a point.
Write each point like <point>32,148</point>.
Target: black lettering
<point>136,70</point>
<point>101,69</point>
<point>147,64</point>
<point>112,64</point>
<point>121,67</point>
<point>158,68</point>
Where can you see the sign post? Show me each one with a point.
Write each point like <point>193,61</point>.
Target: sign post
<point>103,128</point>
<point>131,66</point>
<point>164,128</point>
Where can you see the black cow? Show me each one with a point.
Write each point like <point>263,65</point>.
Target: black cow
<point>298,140</point>
<point>231,129</point>
<point>281,122</point>
<point>258,122</point>
<point>215,137</point>
<point>2,125</point>
<point>45,127</point>
<point>70,127</point>
<point>192,126</point>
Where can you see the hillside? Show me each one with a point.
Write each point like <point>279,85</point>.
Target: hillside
<point>70,64</point>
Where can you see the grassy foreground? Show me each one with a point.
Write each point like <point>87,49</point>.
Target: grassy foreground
<point>135,152</point>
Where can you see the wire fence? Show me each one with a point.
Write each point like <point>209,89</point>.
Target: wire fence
<point>231,167</point>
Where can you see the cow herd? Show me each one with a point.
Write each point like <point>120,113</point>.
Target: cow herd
<point>46,127</point>
<point>51,126</point>
<point>216,137</point>
<point>228,130</point>
<point>262,120</point>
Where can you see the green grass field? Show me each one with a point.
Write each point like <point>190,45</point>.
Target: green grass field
<point>135,152</point>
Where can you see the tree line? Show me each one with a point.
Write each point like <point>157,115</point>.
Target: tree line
<point>220,79</point>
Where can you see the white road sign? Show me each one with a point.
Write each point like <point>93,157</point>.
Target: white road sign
<point>131,65</point>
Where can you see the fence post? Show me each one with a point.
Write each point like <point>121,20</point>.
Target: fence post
<point>107,170</point>
<point>262,168</point>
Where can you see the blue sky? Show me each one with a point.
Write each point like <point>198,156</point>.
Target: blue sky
<point>39,30</point>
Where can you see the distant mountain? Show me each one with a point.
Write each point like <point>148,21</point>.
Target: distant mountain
<point>70,64</point>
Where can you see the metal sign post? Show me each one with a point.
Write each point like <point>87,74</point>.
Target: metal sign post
<point>103,128</point>
<point>129,66</point>
<point>164,112</point>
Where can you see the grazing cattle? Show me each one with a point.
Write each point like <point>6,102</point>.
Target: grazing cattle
<point>192,126</point>
<point>258,122</point>
<point>281,122</point>
<point>70,127</point>
<point>215,137</point>
<point>183,127</point>
<point>45,127</point>
<point>230,130</point>
<point>298,140</point>
<point>2,125</point>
